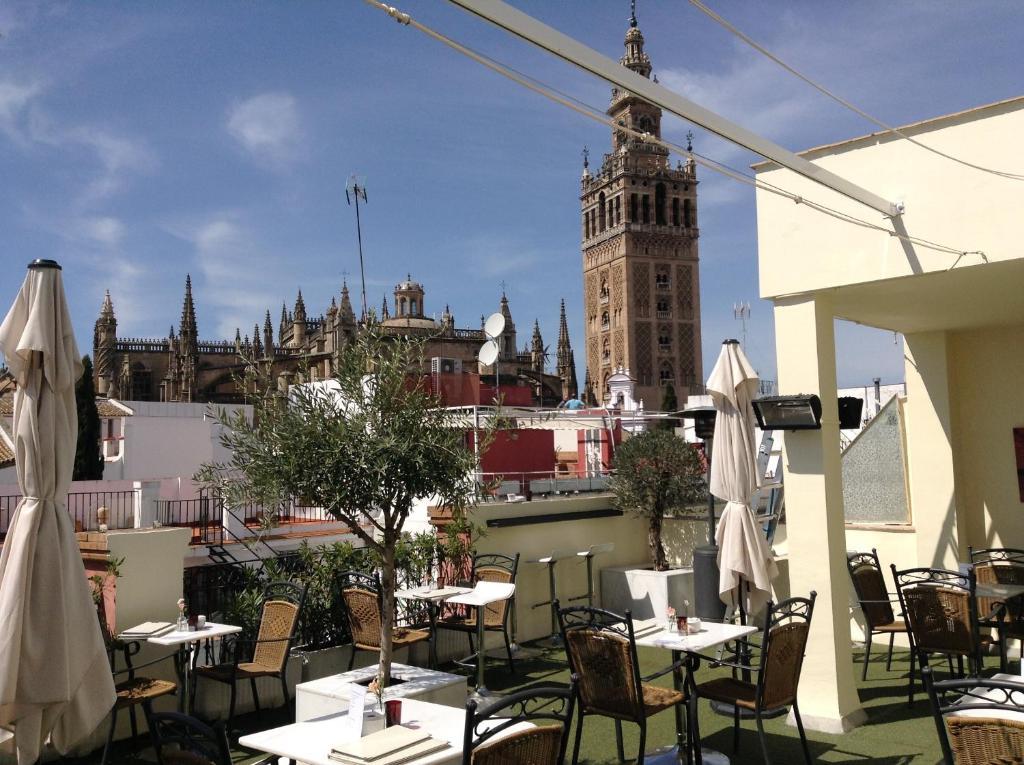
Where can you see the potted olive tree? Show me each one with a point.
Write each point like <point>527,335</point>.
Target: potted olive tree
<point>657,476</point>
<point>363,445</point>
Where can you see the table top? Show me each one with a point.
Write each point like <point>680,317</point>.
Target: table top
<point>485,593</point>
<point>211,630</point>
<point>311,741</point>
<point>654,634</point>
<point>429,593</point>
<point>987,590</point>
<point>994,695</point>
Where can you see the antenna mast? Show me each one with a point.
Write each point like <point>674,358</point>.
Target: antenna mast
<point>741,311</point>
<point>357,188</point>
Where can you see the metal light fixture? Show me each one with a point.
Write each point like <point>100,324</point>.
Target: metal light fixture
<point>799,412</point>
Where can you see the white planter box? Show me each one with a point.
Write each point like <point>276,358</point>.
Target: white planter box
<point>330,695</point>
<point>643,591</point>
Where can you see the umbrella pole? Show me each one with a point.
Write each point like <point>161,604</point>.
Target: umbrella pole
<point>711,497</point>
<point>744,656</point>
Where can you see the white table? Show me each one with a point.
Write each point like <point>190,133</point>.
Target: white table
<point>992,694</point>
<point>479,598</point>
<point>653,633</point>
<point>433,597</point>
<point>185,641</point>
<point>311,741</point>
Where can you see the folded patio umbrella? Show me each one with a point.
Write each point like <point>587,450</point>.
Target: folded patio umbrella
<point>743,555</point>
<point>55,678</point>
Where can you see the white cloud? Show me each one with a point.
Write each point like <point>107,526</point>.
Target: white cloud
<point>267,126</point>
<point>119,157</point>
<point>105,230</point>
<point>14,102</point>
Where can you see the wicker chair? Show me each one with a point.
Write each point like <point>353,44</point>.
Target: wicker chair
<point>777,667</point>
<point>548,707</point>
<point>183,740</point>
<point>941,611</point>
<point>601,649</point>
<point>1000,565</point>
<point>489,567</point>
<point>133,691</point>
<point>268,653</point>
<point>971,717</point>
<point>876,605</point>
<point>361,600</point>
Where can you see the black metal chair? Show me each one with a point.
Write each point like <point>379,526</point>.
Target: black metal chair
<point>601,649</point>
<point>548,708</point>
<point>777,667</point>
<point>941,612</point>
<point>876,604</point>
<point>489,567</point>
<point>183,740</point>
<point>979,721</point>
<point>1000,565</point>
<point>134,690</point>
<point>267,654</point>
<point>360,596</point>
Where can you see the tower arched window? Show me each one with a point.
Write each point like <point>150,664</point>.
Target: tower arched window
<point>600,212</point>
<point>665,374</point>
<point>632,208</point>
<point>687,213</point>
<point>412,307</point>
<point>611,213</point>
<point>645,205</point>
<point>618,209</point>
<point>401,307</point>
<point>605,321</point>
<point>664,339</point>
<point>586,226</point>
<point>675,211</point>
<point>659,204</point>
<point>606,351</point>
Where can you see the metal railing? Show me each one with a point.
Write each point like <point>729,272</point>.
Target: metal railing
<point>204,516</point>
<point>82,507</point>
<point>540,483</point>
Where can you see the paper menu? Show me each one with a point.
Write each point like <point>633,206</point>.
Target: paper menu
<point>356,706</point>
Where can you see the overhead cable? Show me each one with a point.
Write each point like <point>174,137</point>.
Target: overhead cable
<point>593,113</point>
<point>839,99</point>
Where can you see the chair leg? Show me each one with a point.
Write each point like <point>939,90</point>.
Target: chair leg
<point>255,697</point>
<point>949,661</point>
<point>888,662</point>
<point>147,712</point>
<point>284,691</point>
<point>508,650</point>
<point>134,722</point>
<point>231,707</point>
<point>469,635</point>
<point>764,740</point>
<point>735,729</point>
<point>867,655</point>
<point>960,666</point>
<point>110,736</point>
<point>643,742</point>
<point>803,736</point>
<point>352,658</point>
<point>579,737</point>
<point>618,741</point>
<point>921,663</point>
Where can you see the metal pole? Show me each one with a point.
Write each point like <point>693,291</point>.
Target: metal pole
<point>711,497</point>
<point>359,235</point>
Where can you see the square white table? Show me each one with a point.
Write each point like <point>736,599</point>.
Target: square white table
<point>185,641</point>
<point>433,597</point>
<point>653,633</point>
<point>977,694</point>
<point>311,741</point>
<point>479,598</point>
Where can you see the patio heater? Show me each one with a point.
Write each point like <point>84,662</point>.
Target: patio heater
<point>708,604</point>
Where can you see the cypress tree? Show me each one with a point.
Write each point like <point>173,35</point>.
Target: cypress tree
<point>669,404</point>
<point>88,459</point>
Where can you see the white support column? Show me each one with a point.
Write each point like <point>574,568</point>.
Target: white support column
<point>146,495</point>
<point>805,343</point>
<point>930,476</point>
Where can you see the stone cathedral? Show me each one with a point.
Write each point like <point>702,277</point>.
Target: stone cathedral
<point>640,263</point>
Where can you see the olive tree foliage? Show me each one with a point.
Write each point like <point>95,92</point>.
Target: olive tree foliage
<point>657,474</point>
<point>363,445</point>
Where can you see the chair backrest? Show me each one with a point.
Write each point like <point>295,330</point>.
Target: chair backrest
<point>361,597</point>
<point>601,649</point>
<point>869,587</point>
<point>940,610</point>
<point>974,718</point>
<point>548,708</point>
<point>784,641</point>
<point>279,623</point>
<point>495,567</point>
<point>184,740</point>
<point>1000,565</point>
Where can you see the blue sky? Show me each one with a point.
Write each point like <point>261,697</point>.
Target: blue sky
<point>141,141</point>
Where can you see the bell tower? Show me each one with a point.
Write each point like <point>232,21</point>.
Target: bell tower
<point>641,283</point>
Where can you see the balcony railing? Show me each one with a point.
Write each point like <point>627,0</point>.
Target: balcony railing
<point>544,483</point>
<point>205,516</point>
<point>82,507</point>
<point>664,314</point>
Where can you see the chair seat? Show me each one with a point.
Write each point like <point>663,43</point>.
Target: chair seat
<point>400,638</point>
<point>895,626</point>
<point>729,691</point>
<point>223,673</point>
<point>657,698</point>
<point>466,623</point>
<point>130,692</point>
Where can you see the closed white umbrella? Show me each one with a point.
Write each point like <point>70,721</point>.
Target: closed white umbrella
<point>55,678</point>
<point>743,554</point>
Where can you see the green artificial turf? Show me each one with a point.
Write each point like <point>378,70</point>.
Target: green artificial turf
<point>894,734</point>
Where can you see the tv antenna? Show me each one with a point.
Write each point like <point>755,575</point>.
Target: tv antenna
<point>741,311</point>
<point>357,188</point>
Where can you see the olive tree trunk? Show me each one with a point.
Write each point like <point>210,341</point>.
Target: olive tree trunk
<point>654,540</point>
<point>387,612</point>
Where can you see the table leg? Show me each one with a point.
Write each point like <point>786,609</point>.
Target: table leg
<point>181,661</point>
<point>481,653</point>
<point>432,612</point>
<point>695,754</point>
<point>677,683</point>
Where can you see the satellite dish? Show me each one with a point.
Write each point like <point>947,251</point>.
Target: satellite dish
<point>494,326</point>
<point>488,352</point>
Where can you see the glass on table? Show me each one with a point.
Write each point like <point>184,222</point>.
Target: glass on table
<point>393,712</point>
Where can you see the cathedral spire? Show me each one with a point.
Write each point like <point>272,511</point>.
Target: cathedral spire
<point>300,309</point>
<point>384,309</point>
<point>268,335</point>
<point>565,361</point>
<point>257,344</point>
<point>188,313</point>
<point>635,58</point>
<point>107,310</point>
<point>346,313</point>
